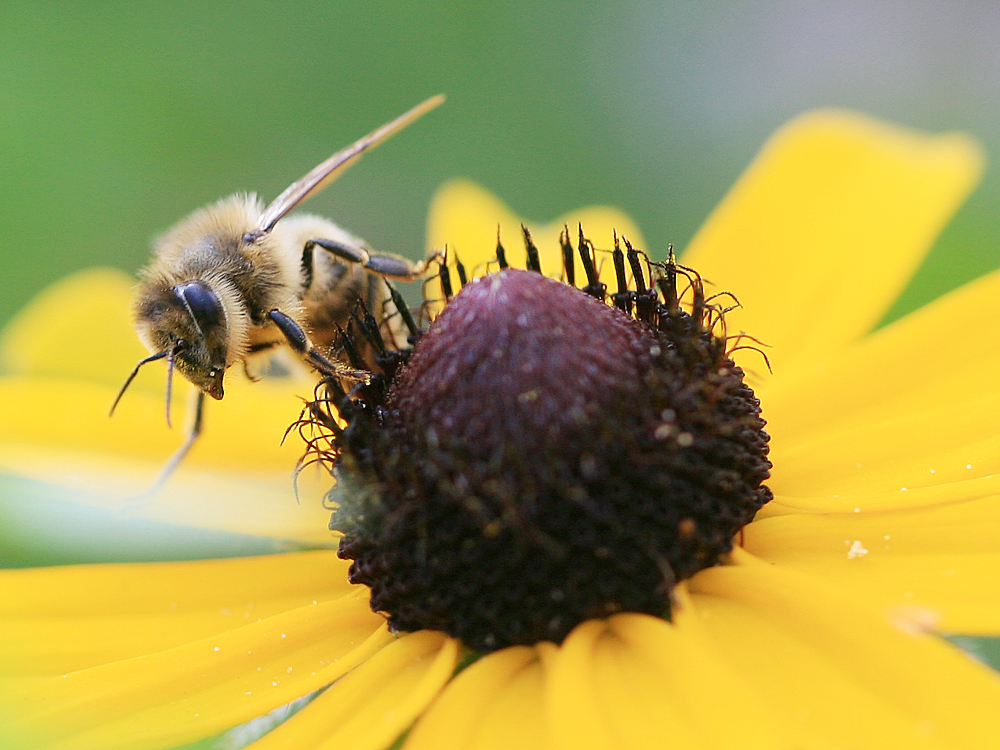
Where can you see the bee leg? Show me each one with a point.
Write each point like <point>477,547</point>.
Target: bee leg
<point>198,410</point>
<point>384,265</point>
<point>253,376</point>
<point>193,433</point>
<point>298,339</point>
<point>250,375</point>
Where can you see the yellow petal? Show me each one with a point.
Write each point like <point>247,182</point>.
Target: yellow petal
<point>826,227</point>
<point>80,327</point>
<point>61,619</point>
<point>465,218</point>
<point>514,717</point>
<point>375,703</point>
<point>497,699</point>
<point>199,688</point>
<point>935,568</point>
<point>577,714</point>
<point>717,706</point>
<point>843,675</point>
<point>604,692</point>
<point>60,382</point>
<point>937,356</point>
<point>932,455</point>
<point>931,593</point>
<point>238,476</point>
<point>971,526</point>
<point>893,411</point>
<point>634,680</point>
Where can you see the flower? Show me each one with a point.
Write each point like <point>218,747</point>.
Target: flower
<point>819,632</point>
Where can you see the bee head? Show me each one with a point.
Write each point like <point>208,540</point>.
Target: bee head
<point>187,323</point>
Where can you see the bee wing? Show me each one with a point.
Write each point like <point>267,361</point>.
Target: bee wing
<point>323,174</point>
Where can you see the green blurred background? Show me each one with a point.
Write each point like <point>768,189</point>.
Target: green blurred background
<point>119,118</point>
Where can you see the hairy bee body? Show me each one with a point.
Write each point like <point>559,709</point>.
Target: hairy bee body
<point>249,279</point>
<point>238,277</point>
<point>332,295</point>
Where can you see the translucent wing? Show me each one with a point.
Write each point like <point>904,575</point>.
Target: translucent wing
<point>322,175</point>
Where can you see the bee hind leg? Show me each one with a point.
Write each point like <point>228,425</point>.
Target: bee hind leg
<point>381,264</point>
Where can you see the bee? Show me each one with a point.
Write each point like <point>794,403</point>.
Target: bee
<point>235,279</point>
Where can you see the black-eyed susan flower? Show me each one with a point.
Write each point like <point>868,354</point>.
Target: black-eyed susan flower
<point>816,630</point>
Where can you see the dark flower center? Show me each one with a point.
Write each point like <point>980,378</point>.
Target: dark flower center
<point>541,458</point>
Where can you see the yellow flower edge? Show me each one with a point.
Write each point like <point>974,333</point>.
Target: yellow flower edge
<point>792,240</point>
<point>808,637</point>
<point>57,390</point>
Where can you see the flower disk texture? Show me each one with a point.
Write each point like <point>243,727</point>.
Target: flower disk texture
<point>543,459</point>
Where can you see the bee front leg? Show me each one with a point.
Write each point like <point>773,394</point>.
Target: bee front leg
<point>298,339</point>
<point>380,264</point>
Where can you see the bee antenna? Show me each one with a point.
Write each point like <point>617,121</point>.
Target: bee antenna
<point>131,377</point>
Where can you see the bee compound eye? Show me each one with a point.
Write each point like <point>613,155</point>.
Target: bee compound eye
<point>202,303</point>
